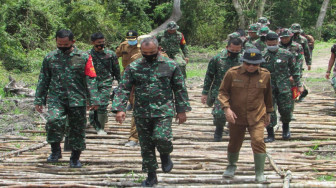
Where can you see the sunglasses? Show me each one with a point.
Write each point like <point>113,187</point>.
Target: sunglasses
<point>249,64</point>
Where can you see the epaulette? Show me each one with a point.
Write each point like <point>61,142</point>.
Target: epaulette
<point>263,69</point>
<point>236,67</point>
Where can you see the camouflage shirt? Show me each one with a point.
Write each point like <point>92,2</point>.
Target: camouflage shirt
<point>297,50</point>
<point>63,78</point>
<point>217,68</point>
<point>172,44</point>
<point>250,43</point>
<point>260,45</point>
<point>107,68</point>
<point>157,86</point>
<point>281,65</point>
<point>304,43</point>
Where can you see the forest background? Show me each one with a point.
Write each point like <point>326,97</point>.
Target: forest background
<point>27,27</point>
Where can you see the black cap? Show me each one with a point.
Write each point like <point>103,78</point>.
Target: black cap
<point>272,36</point>
<point>253,56</point>
<point>131,35</point>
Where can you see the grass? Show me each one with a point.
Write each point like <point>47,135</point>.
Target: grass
<point>330,177</point>
<point>135,177</point>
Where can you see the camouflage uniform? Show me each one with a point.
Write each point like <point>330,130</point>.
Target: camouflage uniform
<point>66,87</point>
<point>217,68</point>
<point>107,68</point>
<point>282,65</point>
<point>261,42</point>
<point>296,28</point>
<point>250,43</point>
<point>159,92</point>
<point>175,46</point>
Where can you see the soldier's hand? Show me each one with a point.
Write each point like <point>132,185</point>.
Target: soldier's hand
<point>39,108</point>
<point>230,115</point>
<point>327,75</point>
<point>92,107</point>
<point>120,117</point>
<point>309,67</point>
<point>204,98</point>
<point>267,120</point>
<point>181,117</point>
<point>187,60</point>
<point>291,79</point>
<point>301,89</point>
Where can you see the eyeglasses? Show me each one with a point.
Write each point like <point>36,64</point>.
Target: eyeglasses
<point>249,64</point>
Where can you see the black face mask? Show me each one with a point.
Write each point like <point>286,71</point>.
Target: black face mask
<point>64,49</point>
<point>100,45</point>
<point>233,54</point>
<point>150,58</point>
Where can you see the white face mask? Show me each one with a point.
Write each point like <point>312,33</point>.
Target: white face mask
<point>273,48</point>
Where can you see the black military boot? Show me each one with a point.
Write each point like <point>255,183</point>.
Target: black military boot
<point>285,131</point>
<point>166,163</point>
<point>270,135</point>
<point>303,95</point>
<point>74,159</point>
<point>56,153</point>
<point>151,180</point>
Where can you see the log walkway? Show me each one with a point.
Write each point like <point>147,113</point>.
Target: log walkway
<point>198,161</point>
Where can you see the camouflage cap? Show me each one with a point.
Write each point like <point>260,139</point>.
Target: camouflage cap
<point>172,25</point>
<point>234,35</point>
<point>263,31</point>
<point>253,56</point>
<point>295,28</point>
<point>253,28</point>
<point>263,20</point>
<point>285,32</point>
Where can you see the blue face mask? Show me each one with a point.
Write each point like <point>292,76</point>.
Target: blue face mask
<point>132,42</point>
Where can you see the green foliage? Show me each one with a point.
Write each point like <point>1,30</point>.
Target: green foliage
<point>329,177</point>
<point>135,177</point>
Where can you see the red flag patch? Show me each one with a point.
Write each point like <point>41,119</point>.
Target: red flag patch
<point>183,42</point>
<point>89,68</point>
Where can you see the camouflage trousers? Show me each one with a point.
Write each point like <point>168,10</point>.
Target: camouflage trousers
<point>333,82</point>
<point>154,133</point>
<point>93,116</point>
<point>75,117</point>
<point>284,103</point>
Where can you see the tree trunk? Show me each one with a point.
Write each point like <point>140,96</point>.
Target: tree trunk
<point>240,13</point>
<point>175,16</point>
<point>322,14</point>
<point>261,8</point>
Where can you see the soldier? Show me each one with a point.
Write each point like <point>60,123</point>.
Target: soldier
<point>66,82</point>
<point>296,29</point>
<point>107,68</point>
<point>174,44</point>
<point>311,42</point>
<point>282,65</point>
<point>263,21</point>
<point>245,95</point>
<point>128,51</point>
<point>261,42</point>
<point>159,92</point>
<point>330,66</point>
<point>253,36</point>
<point>217,68</point>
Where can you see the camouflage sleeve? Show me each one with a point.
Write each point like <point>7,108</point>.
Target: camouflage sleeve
<point>307,52</point>
<point>115,67</point>
<point>180,91</point>
<point>333,49</point>
<point>184,47</point>
<point>92,90</point>
<point>209,76</point>
<point>43,84</point>
<point>300,57</point>
<point>123,91</point>
<point>294,69</point>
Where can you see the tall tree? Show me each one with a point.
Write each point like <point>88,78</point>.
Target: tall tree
<point>175,16</point>
<point>240,13</point>
<point>261,8</point>
<point>322,14</point>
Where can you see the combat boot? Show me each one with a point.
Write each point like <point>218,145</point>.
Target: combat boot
<point>259,163</point>
<point>66,147</point>
<point>166,163</point>
<point>270,135</point>
<point>56,153</point>
<point>231,168</point>
<point>101,124</point>
<point>285,131</point>
<point>151,180</point>
<point>74,159</point>
<point>303,95</point>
